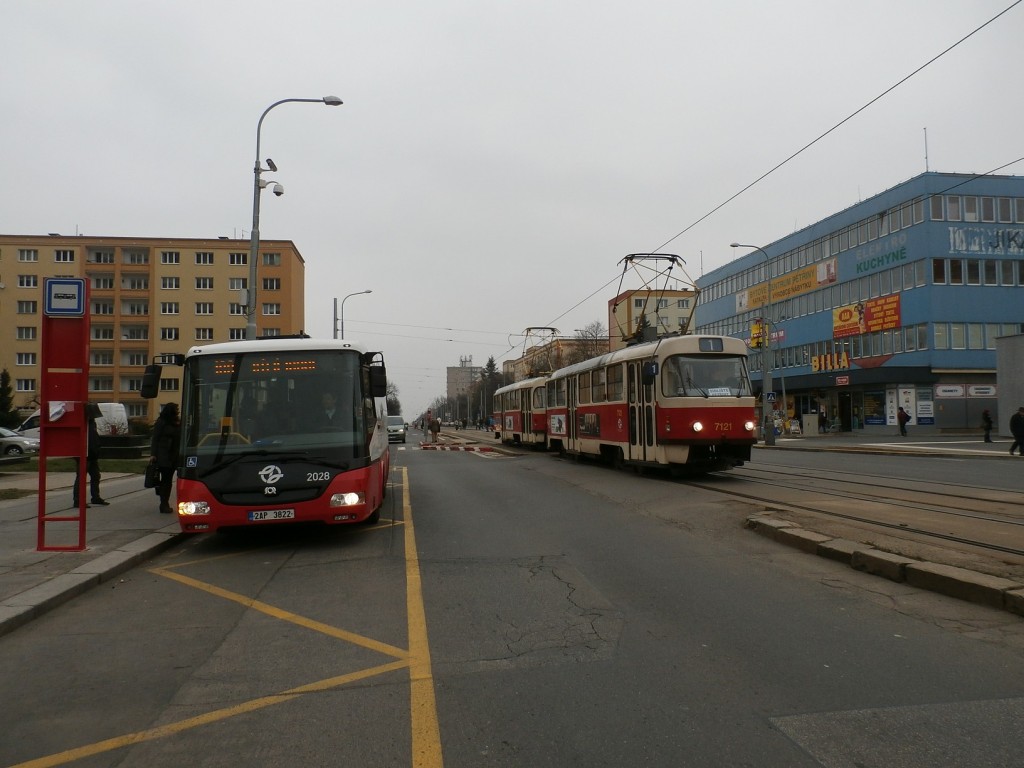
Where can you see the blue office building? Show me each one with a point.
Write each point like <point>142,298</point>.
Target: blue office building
<point>896,301</point>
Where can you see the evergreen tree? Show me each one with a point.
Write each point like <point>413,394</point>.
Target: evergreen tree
<point>9,417</point>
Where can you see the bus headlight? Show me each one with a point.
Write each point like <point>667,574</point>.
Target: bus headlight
<point>698,427</point>
<point>749,426</point>
<point>349,499</point>
<point>193,507</point>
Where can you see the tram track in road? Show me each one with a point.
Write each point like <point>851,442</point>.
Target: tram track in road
<point>951,514</point>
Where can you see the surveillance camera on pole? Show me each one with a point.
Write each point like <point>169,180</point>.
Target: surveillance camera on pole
<point>271,166</point>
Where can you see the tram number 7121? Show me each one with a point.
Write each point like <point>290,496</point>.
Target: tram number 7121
<point>723,426</point>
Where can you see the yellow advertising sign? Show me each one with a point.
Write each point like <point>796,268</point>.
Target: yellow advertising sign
<point>801,281</point>
<point>866,316</point>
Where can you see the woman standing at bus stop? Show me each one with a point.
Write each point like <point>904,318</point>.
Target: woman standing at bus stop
<point>164,451</point>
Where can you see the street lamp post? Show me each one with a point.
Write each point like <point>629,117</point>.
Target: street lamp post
<point>766,367</point>
<point>257,187</point>
<point>336,315</point>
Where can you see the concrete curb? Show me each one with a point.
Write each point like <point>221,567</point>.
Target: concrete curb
<point>961,583</point>
<point>22,608</point>
<point>439,447</point>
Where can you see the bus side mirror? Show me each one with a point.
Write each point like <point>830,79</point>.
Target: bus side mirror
<point>649,372</point>
<point>150,382</point>
<point>378,381</point>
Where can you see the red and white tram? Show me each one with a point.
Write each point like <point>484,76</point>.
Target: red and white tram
<point>520,414</point>
<point>682,402</point>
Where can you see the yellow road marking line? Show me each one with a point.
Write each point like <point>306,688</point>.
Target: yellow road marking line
<point>170,729</point>
<point>426,734</point>
<point>294,618</point>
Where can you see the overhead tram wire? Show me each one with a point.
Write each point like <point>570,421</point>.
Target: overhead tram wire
<point>765,175</point>
<point>845,120</point>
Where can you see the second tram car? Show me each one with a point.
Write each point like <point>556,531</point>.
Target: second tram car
<point>682,402</point>
<point>520,413</point>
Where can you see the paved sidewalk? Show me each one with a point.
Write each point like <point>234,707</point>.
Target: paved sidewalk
<point>118,537</point>
<point>131,530</point>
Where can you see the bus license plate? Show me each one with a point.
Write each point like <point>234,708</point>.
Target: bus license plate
<point>272,514</point>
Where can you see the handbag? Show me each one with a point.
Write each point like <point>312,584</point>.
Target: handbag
<point>152,479</point>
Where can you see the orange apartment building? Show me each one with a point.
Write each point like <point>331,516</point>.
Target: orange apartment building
<point>148,296</point>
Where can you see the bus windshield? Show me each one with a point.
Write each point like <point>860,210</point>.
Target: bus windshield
<point>313,403</point>
<point>705,376</point>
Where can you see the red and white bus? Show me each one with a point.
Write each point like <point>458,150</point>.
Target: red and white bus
<point>520,414</point>
<point>256,446</point>
<point>682,402</point>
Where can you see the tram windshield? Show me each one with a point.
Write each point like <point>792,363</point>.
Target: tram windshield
<point>705,376</point>
<point>313,403</point>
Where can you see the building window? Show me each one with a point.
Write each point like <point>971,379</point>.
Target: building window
<point>136,257</point>
<point>638,303</point>
<point>135,283</point>
<point>973,272</point>
<point>237,283</point>
<point>936,208</point>
<point>970,208</point>
<point>101,384</point>
<point>271,259</point>
<point>170,283</point>
<point>271,309</point>
<point>103,283</point>
<point>267,332</point>
<point>169,308</point>
<point>204,283</point>
<point>238,259</point>
<point>25,385</point>
<point>26,358</point>
<point>102,332</point>
<point>204,307</point>
<point>103,307</point>
<point>238,334</point>
<point>135,332</point>
<point>28,254</point>
<point>25,333</point>
<point>204,334</point>
<point>957,336</point>
<point>136,308</point>
<point>169,334</point>
<point>103,357</point>
<point>100,257</point>
<point>131,385</point>
<point>271,283</point>
<point>170,257</point>
<point>169,385</point>
<point>28,281</point>
<point>953,208</point>
<point>956,272</point>
<point>137,359</point>
<point>204,258</point>
<point>988,209</point>
<point>234,308</point>
<point>975,336</point>
<point>64,256</point>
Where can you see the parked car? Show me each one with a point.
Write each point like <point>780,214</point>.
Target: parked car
<point>13,444</point>
<point>113,420</point>
<point>396,429</point>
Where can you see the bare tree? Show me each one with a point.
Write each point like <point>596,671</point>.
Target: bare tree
<point>590,341</point>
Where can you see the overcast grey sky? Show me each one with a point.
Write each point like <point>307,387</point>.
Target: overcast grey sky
<point>493,161</point>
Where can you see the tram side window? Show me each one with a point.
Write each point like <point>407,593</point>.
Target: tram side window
<point>597,386</point>
<point>583,388</point>
<point>538,398</point>
<point>614,383</point>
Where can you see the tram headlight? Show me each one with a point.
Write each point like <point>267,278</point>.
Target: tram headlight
<point>749,426</point>
<point>698,426</point>
<point>193,507</point>
<point>350,499</point>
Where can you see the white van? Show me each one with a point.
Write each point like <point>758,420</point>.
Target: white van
<point>113,420</point>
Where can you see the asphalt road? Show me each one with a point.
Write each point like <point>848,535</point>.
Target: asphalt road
<point>513,611</point>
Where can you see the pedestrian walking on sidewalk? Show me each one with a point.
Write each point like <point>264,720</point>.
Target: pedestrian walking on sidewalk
<point>164,451</point>
<point>902,417</point>
<point>986,424</point>
<point>1017,430</point>
<point>435,427</point>
<point>92,460</point>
